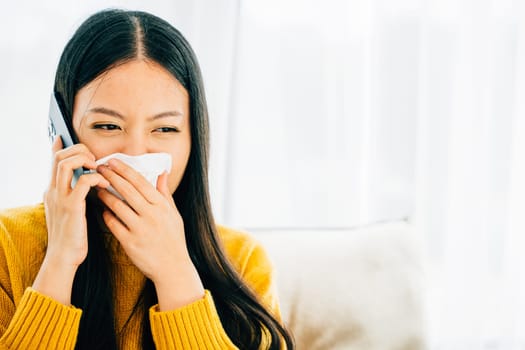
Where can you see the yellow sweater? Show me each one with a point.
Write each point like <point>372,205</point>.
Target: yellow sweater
<point>30,320</point>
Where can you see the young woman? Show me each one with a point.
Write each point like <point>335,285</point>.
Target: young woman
<point>88,270</point>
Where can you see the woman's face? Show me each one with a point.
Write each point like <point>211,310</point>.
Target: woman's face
<point>136,108</point>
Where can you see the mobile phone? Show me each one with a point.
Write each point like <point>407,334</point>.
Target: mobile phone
<point>57,127</point>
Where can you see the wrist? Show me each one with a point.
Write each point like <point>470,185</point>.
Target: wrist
<point>179,287</point>
<point>63,258</point>
<point>55,279</point>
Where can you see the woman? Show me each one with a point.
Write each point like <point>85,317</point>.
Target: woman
<point>88,270</point>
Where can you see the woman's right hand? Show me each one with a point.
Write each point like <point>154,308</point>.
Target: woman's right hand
<point>65,211</point>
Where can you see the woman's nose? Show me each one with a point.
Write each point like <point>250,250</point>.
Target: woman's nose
<point>135,144</point>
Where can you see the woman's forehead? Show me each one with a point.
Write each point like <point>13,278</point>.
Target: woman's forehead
<point>134,88</point>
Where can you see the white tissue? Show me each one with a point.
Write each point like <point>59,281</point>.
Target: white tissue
<point>149,165</point>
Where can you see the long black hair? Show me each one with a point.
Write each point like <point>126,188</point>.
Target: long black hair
<point>105,40</point>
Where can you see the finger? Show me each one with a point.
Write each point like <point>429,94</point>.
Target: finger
<point>65,170</point>
<point>119,230</point>
<point>136,179</point>
<point>162,185</point>
<point>118,207</point>
<point>85,183</point>
<point>57,146</point>
<point>130,194</point>
<point>71,151</point>
<point>60,154</point>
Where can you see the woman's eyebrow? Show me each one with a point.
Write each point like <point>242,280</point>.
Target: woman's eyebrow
<point>166,114</point>
<point>107,111</point>
<point>110,112</point>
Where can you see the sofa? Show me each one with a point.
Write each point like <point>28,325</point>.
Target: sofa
<point>350,289</point>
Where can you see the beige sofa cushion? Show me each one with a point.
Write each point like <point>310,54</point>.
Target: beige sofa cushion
<point>351,289</point>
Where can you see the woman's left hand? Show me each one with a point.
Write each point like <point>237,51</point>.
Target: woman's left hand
<point>150,229</point>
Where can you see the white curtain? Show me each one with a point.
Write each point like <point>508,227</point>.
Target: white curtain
<point>329,114</point>
<point>469,193</point>
<point>361,111</point>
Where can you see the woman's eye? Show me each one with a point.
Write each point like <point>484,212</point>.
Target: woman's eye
<point>106,126</point>
<point>166,129</point>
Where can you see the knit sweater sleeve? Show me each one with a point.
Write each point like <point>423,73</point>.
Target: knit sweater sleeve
<point>40,322</point>
<point>194,326</point>
<point>197,325</point>
<point>28,319</point>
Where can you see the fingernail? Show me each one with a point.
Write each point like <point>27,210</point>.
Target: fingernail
<point>113,162</point>
<point>100,169</point>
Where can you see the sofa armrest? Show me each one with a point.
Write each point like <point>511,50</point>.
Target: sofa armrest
<point>350,289</point>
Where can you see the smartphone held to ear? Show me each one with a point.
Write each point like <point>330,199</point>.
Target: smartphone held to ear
<point>57,127</point>
<point>57,124</point>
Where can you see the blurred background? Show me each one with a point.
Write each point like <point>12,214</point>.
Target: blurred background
<point>331,115</point>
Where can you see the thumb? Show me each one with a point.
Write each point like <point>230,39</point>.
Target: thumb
<point>57,144</point>
<point>162,185</point>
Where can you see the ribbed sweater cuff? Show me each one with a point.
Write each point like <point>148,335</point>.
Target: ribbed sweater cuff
<point>194,326</point>
<point>41,322</point>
